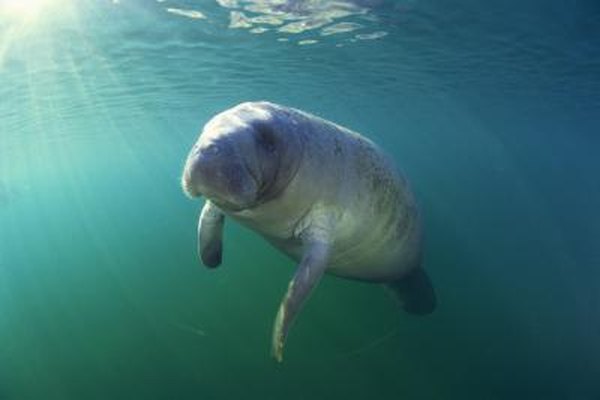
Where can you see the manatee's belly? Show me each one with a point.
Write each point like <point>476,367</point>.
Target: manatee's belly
<point>370,259</point>
<point>376,254</point>
<point>362,263</point>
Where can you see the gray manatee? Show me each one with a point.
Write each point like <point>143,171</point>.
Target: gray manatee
<point>326,196</point>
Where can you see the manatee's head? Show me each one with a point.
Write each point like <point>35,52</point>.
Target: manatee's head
<point>244,156</point>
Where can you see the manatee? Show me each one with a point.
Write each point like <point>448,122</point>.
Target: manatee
<point>324,195</point>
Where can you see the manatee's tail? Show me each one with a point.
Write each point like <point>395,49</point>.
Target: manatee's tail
<point>415,292</point>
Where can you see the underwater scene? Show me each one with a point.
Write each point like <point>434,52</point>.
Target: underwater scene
<point>490,109</point>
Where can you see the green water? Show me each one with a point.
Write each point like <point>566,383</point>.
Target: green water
<point>492,112</point>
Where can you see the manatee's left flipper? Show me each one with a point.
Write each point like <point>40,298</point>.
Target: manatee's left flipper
<point>309,272</point>
<point>210,235</point>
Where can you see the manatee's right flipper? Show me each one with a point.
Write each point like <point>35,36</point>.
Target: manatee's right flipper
<point>309,272</point>
<point>210,235</point>
<point>415,292</point>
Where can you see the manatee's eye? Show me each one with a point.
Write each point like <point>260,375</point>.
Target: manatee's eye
<point>212,149</point>
<point>265,138</point>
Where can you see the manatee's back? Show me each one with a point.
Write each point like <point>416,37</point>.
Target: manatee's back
<point>378,230</point>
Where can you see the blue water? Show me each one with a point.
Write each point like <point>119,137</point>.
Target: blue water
<point>492,111</point>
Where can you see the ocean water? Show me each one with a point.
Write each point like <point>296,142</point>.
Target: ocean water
<point>492,109</point>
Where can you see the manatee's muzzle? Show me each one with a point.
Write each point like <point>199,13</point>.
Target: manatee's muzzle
<point>217,177</point>
<point>188,188</point>
<point>188,184</point>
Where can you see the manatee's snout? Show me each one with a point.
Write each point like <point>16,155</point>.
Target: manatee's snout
<point>190,179</point>
<point>217,172</point>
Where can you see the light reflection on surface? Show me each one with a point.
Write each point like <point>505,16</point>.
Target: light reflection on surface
<point>24,9</point>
